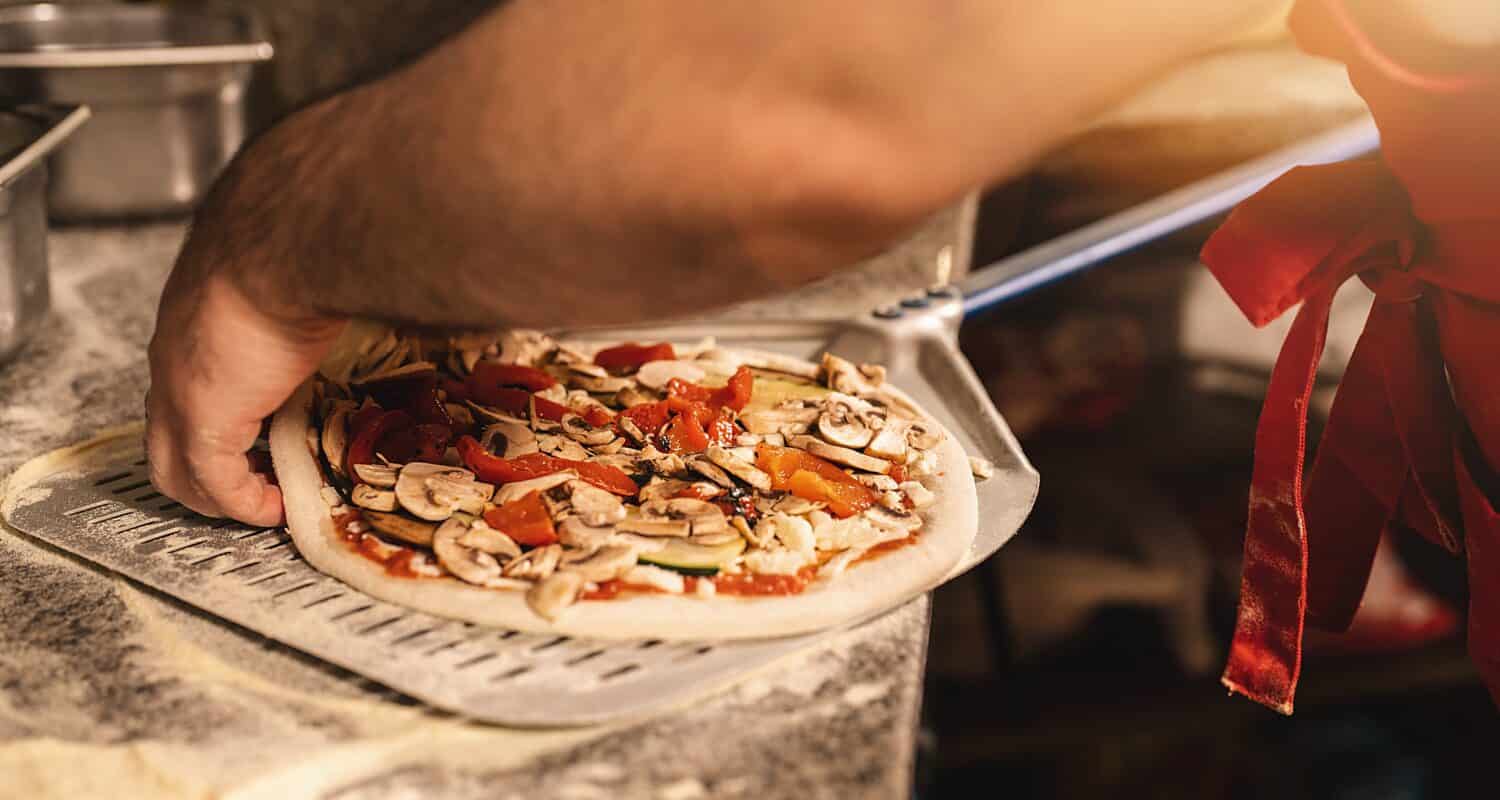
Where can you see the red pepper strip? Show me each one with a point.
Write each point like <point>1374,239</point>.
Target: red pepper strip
<point>683,435</point>
<point>525,520</point>
<point>598,416</point>
<point>488,376</point>
<point>493,469</point>
<point>631,356</point>
<point>427,442</point>
<point>722,431</point>
<point>416,395</point>
<point>518,402</point>
<point>362,448</point>
<point>843,499</point>
<point>649,417</point>
<point>899,474</point>
<point>736,393</point>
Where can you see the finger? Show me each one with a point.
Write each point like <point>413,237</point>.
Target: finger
<point>230,482</point>
<point>169,473</point>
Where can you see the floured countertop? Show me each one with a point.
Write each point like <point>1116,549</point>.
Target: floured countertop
<point>111,690</point>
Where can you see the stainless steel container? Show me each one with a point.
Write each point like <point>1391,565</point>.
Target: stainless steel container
<point>26,139</point>
<point>167,89</point>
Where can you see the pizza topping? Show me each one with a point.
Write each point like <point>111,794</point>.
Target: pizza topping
<point>434,491</point>
<point>401,527</point>
<point>848,421</point>
<point>524,463</point>
<point>738,467</point>
<point>367,496</point>
<point>917,495</point>
<point>535,564</point>
<point>629,357</point>
<point>525,520</point>
<point>982,469</point>
<point>792,416</point>
<point>657,374</point>
<point>840,455</point>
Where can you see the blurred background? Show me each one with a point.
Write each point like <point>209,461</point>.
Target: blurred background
<point>1083,660</point>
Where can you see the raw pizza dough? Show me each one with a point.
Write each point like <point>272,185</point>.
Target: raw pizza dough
<point>863,590</point>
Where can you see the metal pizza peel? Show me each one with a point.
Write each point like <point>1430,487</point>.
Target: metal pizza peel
<point>98,504</point>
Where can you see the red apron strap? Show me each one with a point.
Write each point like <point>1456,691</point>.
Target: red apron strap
<point>1265,657</point>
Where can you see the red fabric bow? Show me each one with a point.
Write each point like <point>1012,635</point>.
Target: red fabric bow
<point>1417,416</point>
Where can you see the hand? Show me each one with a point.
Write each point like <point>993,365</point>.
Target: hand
<point>221,362</point>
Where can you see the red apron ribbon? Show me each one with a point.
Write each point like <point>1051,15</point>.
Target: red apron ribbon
<point>1422,387</point>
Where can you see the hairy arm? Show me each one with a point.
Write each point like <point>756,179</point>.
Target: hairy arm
<point>560,164</point>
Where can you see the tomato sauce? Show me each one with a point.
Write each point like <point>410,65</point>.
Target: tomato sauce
<point>886,547</point>
<point>398,564</point>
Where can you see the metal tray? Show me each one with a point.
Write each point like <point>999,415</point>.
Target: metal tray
<point>108,512</point>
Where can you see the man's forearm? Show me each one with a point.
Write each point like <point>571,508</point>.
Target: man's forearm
<point>558,165</point>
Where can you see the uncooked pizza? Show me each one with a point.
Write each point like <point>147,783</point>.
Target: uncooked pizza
<point>645,489</point>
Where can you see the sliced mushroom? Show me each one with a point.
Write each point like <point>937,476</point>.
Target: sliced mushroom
<point>890,442</point>
<point>921,463</point>
<point>606,563</point>
<point>840,455</point>
<point>525,347</point>
<point>865,381</point>
<point>487,414</point>
<point>844,421</point>
<point>655,526</point>
<point>562,447</point>
<point>895,501</point>
<point>774,439</point>
<point>576,533</point>
<point>920,496</point>
<point>702,516</point>
<point>519,489</point>
<point>657,374</point>
<point>898,520</point>
<point>335,438</point>
<point>381,476</point>
<point>633,431</point>
<point>401,527</point>
<point>664,463</point>
<point>414,490</point>
<point>509,439</point>
<point>633,395</point>
<point>579,430</point>
<point>536,564</point>
<point>773,420</point>
<point>488,540</point>
<point>880,483</point>
<point>554,594</point>
<point>605,384</point>
<point>738,467</point>
<point>595,506</point>
<point>922,436</point>
<point>628,463</point>
<point>662,489</point>
<point>715,539</point>
<point>557,393</point>
<point>708,469</point>
<point>611,447</point>
<point>367,496</point>
<point>747,440</point>
<point>411,370</point>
